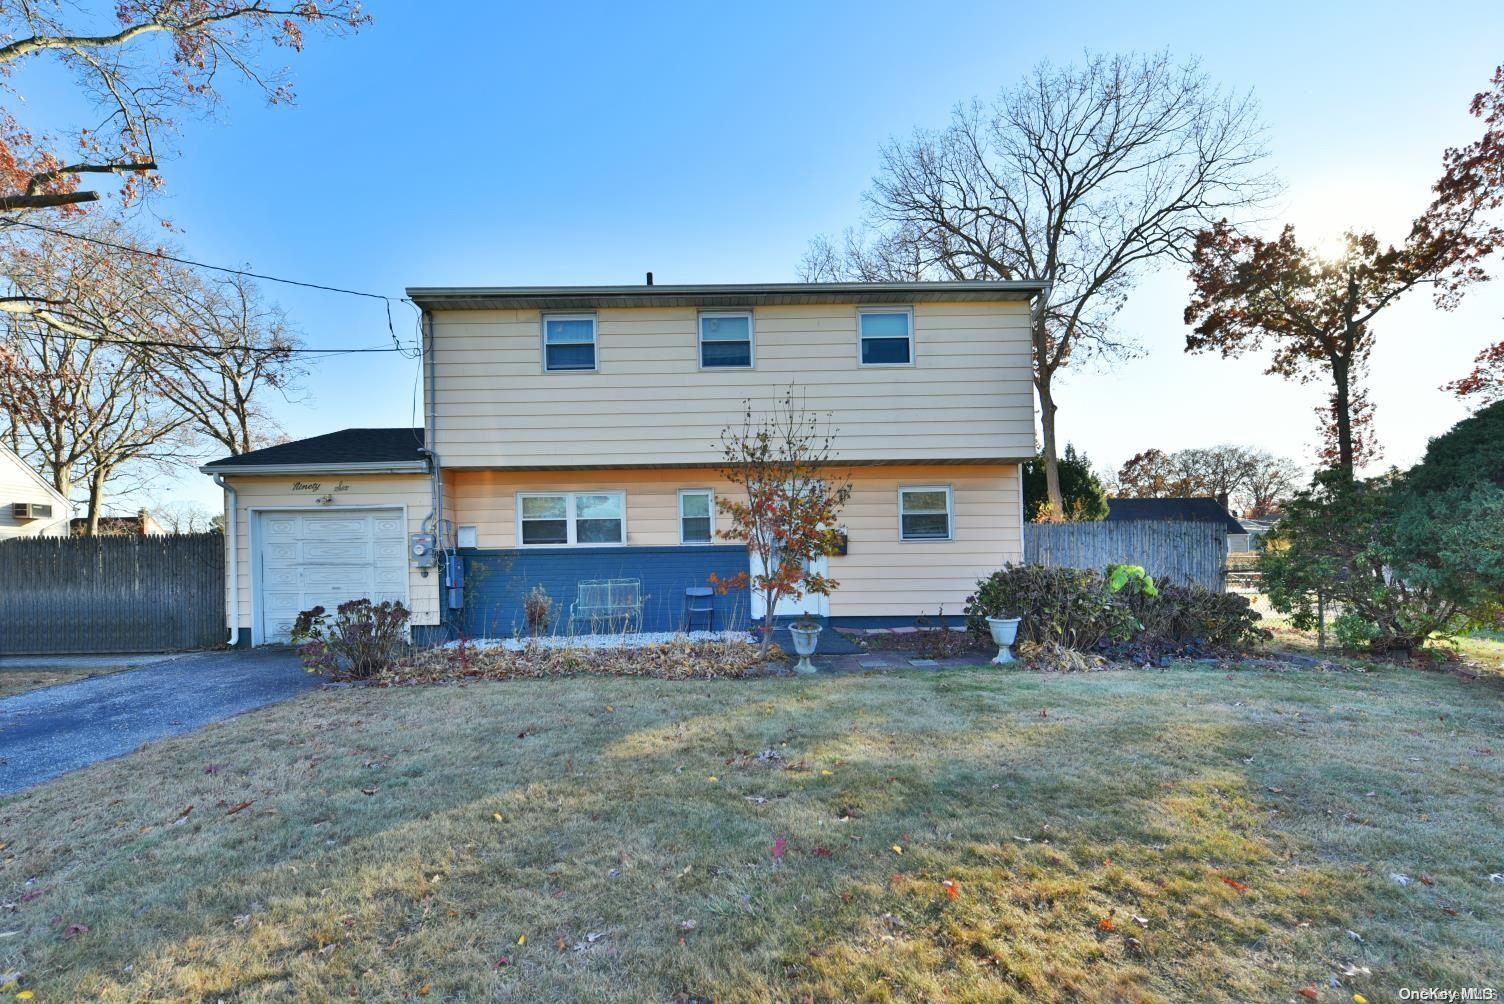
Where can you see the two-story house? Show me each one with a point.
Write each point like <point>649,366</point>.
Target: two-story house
<point>572,434</point>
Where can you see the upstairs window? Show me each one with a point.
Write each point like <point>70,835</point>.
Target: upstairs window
<point>887,337</point>
<point>726,340</point>
<point>696,516</point>
<point>564,518</point>
<point>924,512</point>
<point>568,342</point>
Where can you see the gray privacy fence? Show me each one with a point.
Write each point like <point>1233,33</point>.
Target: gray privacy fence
<point>70,595</point>
<point>1186,551</point>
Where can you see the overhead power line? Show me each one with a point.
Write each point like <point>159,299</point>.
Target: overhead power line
<point>410,352</point>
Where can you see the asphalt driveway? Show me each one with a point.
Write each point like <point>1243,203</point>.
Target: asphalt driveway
<point>48,732</point>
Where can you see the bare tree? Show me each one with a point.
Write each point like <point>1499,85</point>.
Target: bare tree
<point>235,348</point>
<point>1251,480</point>
<point>1081,176</point>
<point>181,516</point>
<point>77,378</point>
<point>159,58</point>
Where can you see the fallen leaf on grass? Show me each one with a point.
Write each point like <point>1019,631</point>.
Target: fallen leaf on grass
<point>1106,924</point>
<point>951,889</point>
<point>562,945</point>
<point>821,852</point>
<point>522,939</point>
<point>498,817</point>
<point>897,849</point>
<point>182,816</point>
<point>780,847</point>
<point>1309,993</point>
<point>1233,883</point>
<point>25,995</point>
<point>1427,880</point>
<point>369,791</point>
<point>1398,878</point>
<point>242,806</point>
<point>74,930</point>
<point>423,990</point>
<point>1359,999</point>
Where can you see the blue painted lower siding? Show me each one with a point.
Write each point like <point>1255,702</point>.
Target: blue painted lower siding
<point>496,581</point>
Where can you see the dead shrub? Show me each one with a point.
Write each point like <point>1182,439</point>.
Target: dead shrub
<point>678,659</point>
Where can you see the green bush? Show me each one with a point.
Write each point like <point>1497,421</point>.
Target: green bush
<point>1354,633</point>
<point>1066,606</point>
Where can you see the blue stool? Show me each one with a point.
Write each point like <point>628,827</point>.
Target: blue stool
<point>699,600</point>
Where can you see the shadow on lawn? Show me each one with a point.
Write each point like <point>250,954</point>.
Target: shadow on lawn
<point>410,838</point>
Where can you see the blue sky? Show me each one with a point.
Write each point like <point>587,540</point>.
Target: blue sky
<point>494,144</point>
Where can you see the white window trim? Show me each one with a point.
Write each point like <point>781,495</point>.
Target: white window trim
<point>751,339</point>
<point>595,339</point>
<point>950,513</point>
<point>697,491</point>
<point>569,517</point>
<point>883,310</point>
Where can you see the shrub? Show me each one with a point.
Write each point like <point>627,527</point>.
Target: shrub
<point>362,639</point>
<point>1067,606</point>
<point>538,611</point>
<point>1190,620</point>
<point>1345,541</point>
<point>1124,612</point>
<point>1354,633</point>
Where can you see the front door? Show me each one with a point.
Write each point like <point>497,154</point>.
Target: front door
<point>810,603</point>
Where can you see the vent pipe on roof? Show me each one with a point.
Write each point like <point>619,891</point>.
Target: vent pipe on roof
<point>650,278</point>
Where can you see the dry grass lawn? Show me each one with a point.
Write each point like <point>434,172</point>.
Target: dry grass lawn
<point>967,836</point>
<point>20,679</point>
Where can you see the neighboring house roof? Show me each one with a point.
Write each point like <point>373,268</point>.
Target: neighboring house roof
<point>718,295</point>
<point>347,449</point>
<point>9,456</point>
<point>1252,525</point>
<point>140,525</point>
<point>1197,510</point>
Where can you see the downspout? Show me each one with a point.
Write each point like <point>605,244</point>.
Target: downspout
<point>231,511</point>
<point>435,519</point>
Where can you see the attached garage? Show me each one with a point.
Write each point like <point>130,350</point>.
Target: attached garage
<point>307,558</point>
<point>320,521</point>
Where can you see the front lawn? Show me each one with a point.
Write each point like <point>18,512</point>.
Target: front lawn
<point>966,835</point>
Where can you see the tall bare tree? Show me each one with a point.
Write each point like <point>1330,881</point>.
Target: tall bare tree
<point>76,382</point>
<point>1082,176</point>
<point>137,64</point>
<point>1253,481</point>
<point>230,348</point>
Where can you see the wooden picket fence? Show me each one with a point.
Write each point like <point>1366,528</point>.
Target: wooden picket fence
<point>1187,552</point>
<point>74,595</point>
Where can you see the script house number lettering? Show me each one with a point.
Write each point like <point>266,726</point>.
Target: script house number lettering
<point>315,486</point>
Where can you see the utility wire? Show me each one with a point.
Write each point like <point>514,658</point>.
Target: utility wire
<point>196,264</point>
<point>397,346</point>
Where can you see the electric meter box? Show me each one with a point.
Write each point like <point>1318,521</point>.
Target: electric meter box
<point>420,549</point>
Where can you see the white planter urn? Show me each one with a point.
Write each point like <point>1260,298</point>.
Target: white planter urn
<point>805,641</point>
<point>1004,633</point>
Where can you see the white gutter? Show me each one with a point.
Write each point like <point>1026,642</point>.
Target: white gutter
<point>231,511</point>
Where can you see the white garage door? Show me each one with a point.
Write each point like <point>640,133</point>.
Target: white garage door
<point>322,558</point>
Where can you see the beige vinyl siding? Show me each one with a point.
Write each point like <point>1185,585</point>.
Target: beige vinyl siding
<point>881,576</point>
<point>968,395</point>
<point>390,490</point>
<point>19,484</point>
<point>886,576</point>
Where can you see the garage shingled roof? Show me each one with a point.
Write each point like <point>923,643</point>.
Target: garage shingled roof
<point>333,449</point>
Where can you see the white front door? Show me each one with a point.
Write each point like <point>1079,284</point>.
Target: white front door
<point>810,603</point>
<point>322,557</point>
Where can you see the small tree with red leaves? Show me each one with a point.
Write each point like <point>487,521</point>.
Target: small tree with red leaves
<point>787,518</point>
